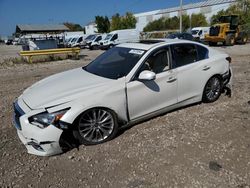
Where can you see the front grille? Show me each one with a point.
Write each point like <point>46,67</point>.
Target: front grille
<point>214,31</point>
<point>18,112</point>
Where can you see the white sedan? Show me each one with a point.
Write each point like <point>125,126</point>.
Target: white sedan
<point>127,84</point>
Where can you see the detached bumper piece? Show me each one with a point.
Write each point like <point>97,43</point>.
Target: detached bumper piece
<point>18,112</point>
<point>227,86</point>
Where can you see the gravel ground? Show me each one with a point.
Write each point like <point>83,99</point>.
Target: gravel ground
<point>204,145</point>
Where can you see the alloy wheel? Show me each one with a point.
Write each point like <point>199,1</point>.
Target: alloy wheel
<point>96,125</point>
<point>213,89</point>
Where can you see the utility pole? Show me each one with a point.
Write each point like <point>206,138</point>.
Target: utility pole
<point>180,16</point>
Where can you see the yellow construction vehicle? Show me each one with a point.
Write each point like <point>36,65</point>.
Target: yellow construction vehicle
<point>228,31</point>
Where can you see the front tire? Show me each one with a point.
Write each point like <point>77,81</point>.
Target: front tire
<point>212,43</point>
<point>212,90</point>
<point>230,40</point>
<point>96,126</point>
<point>111,46</point>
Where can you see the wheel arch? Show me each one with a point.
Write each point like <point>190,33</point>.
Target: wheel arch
<point>215,75</point>
<point>204,87</point>
<point>95,107</point>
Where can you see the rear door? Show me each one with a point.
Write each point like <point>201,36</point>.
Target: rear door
<point>193,67</point>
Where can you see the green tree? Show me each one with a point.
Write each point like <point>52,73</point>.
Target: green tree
<point>241,8</point>
<point>244,5</point>
<point>185,22</point>
<point>173,23</point>
<point>123,22</point>
<point>215,18</point>
<point>128,21</point>
<point>103,24</point>
<point>157,25</point>
<point>73,26</point>
<point>198,20</point>
<point>116,22</point>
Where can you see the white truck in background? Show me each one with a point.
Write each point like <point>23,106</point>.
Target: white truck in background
<point>78,41</point>
<point>74,39</point>
<point>199,33</point>
<point>119,36</point>
<point>92,41</point>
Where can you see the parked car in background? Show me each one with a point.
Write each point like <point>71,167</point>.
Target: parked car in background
<point>199,33</point>
<point>78,42</point>
<point>88,39</point>
<point>15,41</point>
<point>119,36</point>
<point>72,41</point>
<point>93,42</point>
<point>184,36</point>
<point>9,42</point>
<point>67,40</point>
<point>127,84</point>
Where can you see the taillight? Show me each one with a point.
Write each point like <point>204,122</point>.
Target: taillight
<point>229,59</point>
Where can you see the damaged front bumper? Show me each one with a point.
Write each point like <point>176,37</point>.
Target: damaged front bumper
<point>42,142</point>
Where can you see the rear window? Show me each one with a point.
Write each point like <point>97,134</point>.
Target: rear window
<point>184,54</point>
<point>202,52</point>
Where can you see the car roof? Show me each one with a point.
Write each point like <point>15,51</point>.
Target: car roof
<point>151,43</point>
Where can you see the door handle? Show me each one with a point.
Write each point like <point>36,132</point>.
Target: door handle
<point>171,79</point>
<point>205,68</point>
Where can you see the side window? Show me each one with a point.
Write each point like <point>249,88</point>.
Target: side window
<point>200,32</point>
<point>184,54</point>
<point>202,52</point>
<point>157,62</point>
<point>114,37</point>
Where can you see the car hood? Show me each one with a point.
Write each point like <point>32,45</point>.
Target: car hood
<point>62,88</point>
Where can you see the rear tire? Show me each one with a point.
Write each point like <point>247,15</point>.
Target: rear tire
<point>243,38</point>
<point>212,90</point>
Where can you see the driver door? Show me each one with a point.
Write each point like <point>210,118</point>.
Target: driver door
<point>148,96</point>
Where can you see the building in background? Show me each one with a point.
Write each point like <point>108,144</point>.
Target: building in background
<point>91,28</point>
<point>208,8</point>
<point>26,29</point>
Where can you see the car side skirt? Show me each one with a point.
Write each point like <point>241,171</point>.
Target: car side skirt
<point>193,100</point>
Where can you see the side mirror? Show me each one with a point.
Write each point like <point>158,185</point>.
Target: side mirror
<point>147,75</point>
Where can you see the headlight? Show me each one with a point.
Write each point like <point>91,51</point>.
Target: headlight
<point>45,119</point>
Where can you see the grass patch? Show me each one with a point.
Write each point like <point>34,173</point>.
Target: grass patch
<point>8,62</point>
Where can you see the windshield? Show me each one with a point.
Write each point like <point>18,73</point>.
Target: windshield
<point>194,32</point>
<point>74,39</point>
<point>90,37</point>
<point>67,40</point>
<point>225,19</point>
<point>115,63</point>
<point>108,37</point>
